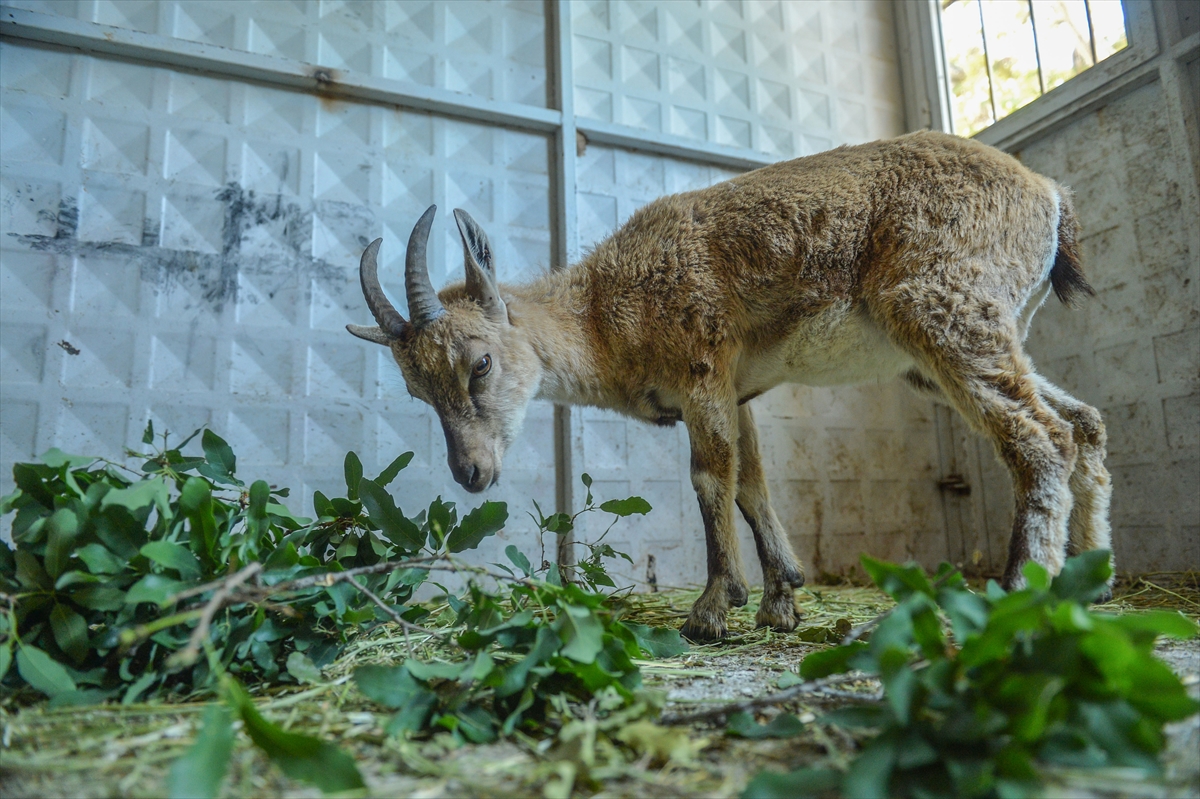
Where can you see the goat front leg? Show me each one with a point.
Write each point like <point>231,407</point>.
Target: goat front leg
<point>781,570</point>
<point>713,427</point>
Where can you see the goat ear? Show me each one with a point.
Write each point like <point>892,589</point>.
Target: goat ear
<point>480,267</point>
<point>370,333</point>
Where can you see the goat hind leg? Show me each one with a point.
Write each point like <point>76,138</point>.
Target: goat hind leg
<point>712,427</point>
<point>1038,448</point>
<point>1091,486</point>
<point>983,372</point>
<point>781,570</point>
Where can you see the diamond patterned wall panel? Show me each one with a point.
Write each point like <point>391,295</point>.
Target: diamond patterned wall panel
<point>185,250</point>
<point>494,50</point>
<point>784,78</point>
<point>850,469</point>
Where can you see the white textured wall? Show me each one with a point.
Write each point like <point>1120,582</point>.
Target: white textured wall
<point>197,240</point>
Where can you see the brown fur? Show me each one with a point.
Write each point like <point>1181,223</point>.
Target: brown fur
<point>923,256</point>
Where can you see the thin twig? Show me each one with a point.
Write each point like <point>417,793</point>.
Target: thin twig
<point>188,655</point>
<point>404,624</point>
<point>780,698</point>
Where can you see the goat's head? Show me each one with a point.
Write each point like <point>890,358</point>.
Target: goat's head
<point>459,352</point>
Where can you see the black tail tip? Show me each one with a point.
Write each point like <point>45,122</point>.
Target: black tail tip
<point>1067,280</point>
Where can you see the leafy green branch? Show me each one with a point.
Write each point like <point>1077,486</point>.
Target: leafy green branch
<point>121,577</point>
<point>1024,678</point>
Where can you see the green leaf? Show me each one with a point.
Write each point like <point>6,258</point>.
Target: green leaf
<point>582,632</point>
<point>968,612</point>
<point>100,560</point>
<point>870,773</point>
<point>80,698</point>
<point>1084,577</point>
<point>70,632</point>
<point>788,679</point>
<point>1170,623</point>
<point>62,527</point>
<point>57,459</point>
<point>487,519</point>
<point>135,691</point>
<point>393,469</point>
<point>414,715</point>
<point>831,661</point>
<point>797,784</point>
<point>300,666</point>
<point>258,524</point>
<point>657,642</point>
<point>392,523</point>
<point>439,521</point>
<point>743,725</point>
<point>148,433</point>
<point>42,672</point>
<point>391,686</point>
<point>353,469</point>
<point>927,630</point>
<point>195,500</point>
<point>322,506</point>
<point>30,573</point>
<point>218,453</point>
<point>173,556</point>
<point>300,757</point>
<point>142,494</point>
<point>6,658</point>
<point>899,682</point>
<point>899,582</point>
<point>198,773</point>
<point>626,507</point>
<point>518,559</point>
<point>99,597</point>
<point>1036,576</point>
<point>153,588</point>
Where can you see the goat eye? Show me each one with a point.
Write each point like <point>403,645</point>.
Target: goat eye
<point>482,366</point>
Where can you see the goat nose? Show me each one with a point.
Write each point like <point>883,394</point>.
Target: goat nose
<point>474,481</point>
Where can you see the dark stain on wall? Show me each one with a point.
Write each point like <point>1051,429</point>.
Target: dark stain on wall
<point>265,237</point>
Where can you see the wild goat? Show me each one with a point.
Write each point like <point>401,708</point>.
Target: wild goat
<point>923,257</point>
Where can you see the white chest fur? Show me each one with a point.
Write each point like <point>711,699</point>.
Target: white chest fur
<point>839,345</point>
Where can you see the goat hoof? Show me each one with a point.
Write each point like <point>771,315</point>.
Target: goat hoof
<point>703,631</point>
<point>738,594</point>
<point>778,612</point>
<point>1106,596</point>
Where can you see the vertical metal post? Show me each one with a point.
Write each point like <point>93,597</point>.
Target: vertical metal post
<point>566,239</point>
<point>1087,9</point>
<point>1037,50</point>
<point>987,61</point>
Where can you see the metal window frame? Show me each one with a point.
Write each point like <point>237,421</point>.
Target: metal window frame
<point>926,86</point>
<point>558,121</point>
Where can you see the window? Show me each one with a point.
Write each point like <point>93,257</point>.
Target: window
<point>1004,54</point>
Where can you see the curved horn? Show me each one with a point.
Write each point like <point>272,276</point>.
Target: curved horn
<point>423,303</point>
<point>389,319</point>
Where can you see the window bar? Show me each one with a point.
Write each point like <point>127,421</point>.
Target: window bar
<point>1037,51</point>
<point>987,60</point>
<point>1087,10</point>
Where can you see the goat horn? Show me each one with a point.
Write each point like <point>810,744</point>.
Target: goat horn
<point>423,303</point>
<point>389,319</point>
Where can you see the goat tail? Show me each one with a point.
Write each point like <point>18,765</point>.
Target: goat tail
<point>1066,276</point>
